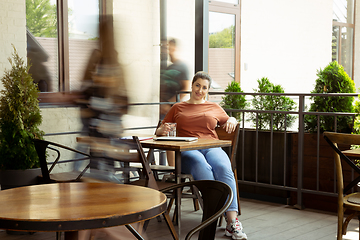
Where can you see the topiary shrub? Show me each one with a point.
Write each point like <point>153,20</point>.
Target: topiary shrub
<point>332,79</point>
<point>19,117</point>
<point>356,127</point>
<point>274,103</point>
<point>234,101</point>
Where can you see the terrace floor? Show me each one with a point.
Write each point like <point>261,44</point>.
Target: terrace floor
<point>261,220</point>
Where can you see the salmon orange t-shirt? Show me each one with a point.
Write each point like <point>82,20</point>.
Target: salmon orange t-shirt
<point>196,120</point>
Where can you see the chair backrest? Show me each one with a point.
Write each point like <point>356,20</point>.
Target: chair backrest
<point>151,182</point>
<point>124,151</point>
<point>234,137</point>
<point>217,197</point>
<point>42,146</point>
<point>151,155</point>
<point>334,139</point>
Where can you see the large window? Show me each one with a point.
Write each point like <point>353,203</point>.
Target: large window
<point>42,43</point>
<point>61,35</point>
<point>224,43</point>
<point>83,23</point>
<point>343,34</point>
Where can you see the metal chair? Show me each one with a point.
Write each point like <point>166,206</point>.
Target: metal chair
<point>169,177</point>
<point>346,201</point>
<point>217,197</point>
<point>233,137</point>
<point>128,151</point>
<point>41,147</point>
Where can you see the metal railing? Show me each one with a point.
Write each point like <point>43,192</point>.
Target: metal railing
<point>300,112</point>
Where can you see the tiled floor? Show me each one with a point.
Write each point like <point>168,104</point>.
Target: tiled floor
<point>261,220</point>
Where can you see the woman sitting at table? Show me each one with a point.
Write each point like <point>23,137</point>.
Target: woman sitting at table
<point>197,117</point>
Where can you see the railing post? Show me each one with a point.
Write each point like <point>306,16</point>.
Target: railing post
<point>299,204</point>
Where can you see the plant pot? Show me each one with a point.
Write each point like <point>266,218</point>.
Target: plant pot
<point>263,164</point>
<point>326,172</point>
<point>19,178</point>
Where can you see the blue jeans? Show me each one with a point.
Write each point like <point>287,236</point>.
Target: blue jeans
<point>210,164</point>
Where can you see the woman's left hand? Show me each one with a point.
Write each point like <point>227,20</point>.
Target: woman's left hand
<point>230,125</point>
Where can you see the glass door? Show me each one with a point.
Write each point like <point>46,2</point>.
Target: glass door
<point>224,46</point>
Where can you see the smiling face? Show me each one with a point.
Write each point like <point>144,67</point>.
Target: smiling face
<point>199,89</point>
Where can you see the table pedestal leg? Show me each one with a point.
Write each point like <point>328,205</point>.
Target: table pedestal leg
<point>178,191</point>
<point>134,232</point>
<point>74,235</point>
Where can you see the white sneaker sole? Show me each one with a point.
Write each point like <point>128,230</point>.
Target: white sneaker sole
<point>228,234</point>
<point>236,238</point>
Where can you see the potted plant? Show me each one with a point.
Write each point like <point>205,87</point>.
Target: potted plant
<point>271,144</point>
<point>19,120</point>
<point>273,103</point>
<point>331,79</point>
<point>234,101</point>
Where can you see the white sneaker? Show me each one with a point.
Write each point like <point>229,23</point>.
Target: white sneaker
<point>235,230</point>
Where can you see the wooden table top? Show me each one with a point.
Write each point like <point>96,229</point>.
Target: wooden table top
<point>352,153</point>
<point>77,206</point>
<point>185,146</point>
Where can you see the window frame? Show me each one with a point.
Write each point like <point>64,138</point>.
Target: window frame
<point>234,9</point>
<point>340,25</point>
<point>61,97</point>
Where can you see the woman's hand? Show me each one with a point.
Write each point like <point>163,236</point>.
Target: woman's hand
<point>163,130</point>
<point>230,125</point>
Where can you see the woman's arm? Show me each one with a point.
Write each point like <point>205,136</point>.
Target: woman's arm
<point>164,129</point>
<point>230,125</point>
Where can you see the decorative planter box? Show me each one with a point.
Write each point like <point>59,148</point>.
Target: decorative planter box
<point>327,175</point>
<point>280,149</point>
<point>19,178</point>
<point>290,166</point>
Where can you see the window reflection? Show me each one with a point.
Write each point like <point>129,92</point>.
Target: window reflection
<point>83,22</point>
<point>343,11</point>
<point>221,50</point>
<point>343,34</point>
<point>335,43</point>
<point>347,49</point>
<point>42,41</point>
<point>41,23</point>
